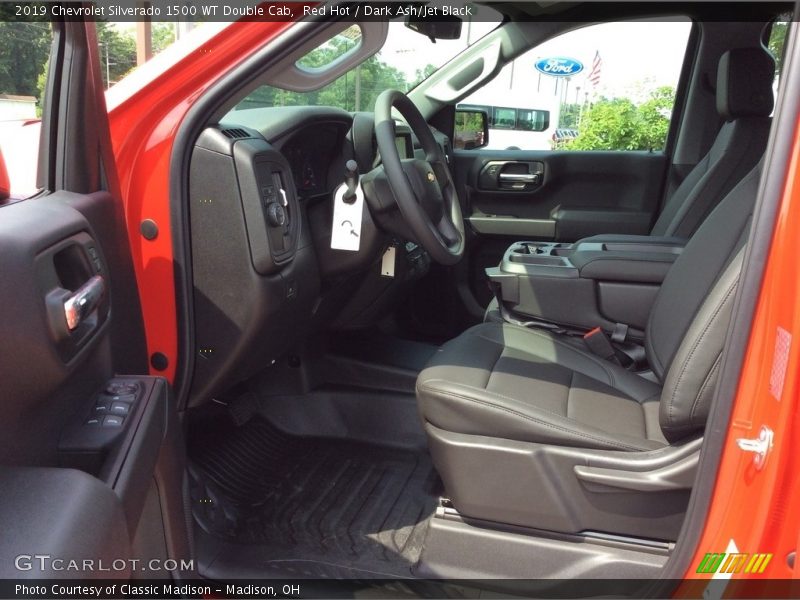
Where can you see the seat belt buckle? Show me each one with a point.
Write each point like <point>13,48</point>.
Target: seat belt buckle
<point>598,343</point>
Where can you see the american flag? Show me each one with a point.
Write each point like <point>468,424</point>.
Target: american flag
<point>594,74</point>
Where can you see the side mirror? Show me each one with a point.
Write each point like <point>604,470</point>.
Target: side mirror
<point>5,183</point>
<point>471,129</point>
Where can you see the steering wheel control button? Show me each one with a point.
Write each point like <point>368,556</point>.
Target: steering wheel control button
<point>113,421</point>
<point>119,408</point>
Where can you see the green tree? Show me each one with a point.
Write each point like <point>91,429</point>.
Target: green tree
<point>777,38</point>
<point>653,119</point>
<point>607,125</point>
<point>569,116</point>
<point>355,90</point>
<point>24,48</point>
<point>619,124</point>
<point>421,74</point>
<point>375,77</point>
<point>41,83</point>
<point>371,78</point>
<point>162,35</point>
<point>117,52</point>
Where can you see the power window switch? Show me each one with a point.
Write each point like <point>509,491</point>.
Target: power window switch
<point>121,398</point>
<point>101,407</point>
<point>121,388</point>
<point>119,408</point>
<point>113,421</point>
<point>94,421</point>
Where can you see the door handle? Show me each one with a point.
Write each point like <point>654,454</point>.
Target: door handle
<point>84,301</point>
<point>518,177</point>
<point>511,175</point>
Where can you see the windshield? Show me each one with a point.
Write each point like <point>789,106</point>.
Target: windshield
<point>406,58</point>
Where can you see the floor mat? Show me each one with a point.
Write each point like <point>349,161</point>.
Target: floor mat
<point>313,506</point>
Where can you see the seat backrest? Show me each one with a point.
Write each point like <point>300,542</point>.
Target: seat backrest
<point>690,316</point>
<point>745,101</point>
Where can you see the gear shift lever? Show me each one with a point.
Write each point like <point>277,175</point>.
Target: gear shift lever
<point>351,181</point>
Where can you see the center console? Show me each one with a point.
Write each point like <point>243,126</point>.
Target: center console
<point>592,283</point>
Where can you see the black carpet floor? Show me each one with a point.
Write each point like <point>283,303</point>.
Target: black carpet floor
<point>312,506</point>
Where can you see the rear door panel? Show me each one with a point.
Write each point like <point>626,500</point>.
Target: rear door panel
<point>44,367</point>
<point>81,423</point>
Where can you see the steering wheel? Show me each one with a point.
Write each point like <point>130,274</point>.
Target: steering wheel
<point>423,188</point>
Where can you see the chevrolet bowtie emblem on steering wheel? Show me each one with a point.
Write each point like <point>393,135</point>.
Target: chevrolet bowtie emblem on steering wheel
<point>431,177</point>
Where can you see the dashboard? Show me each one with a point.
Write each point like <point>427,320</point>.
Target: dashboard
<point>310,153</point>
<point>318,140</point>
<point>313,139</point>
<point>260,215</point>
<point>405,145</point>
<point>313,150</point>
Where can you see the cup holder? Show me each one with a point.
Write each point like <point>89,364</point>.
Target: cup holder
<point>541,249</point>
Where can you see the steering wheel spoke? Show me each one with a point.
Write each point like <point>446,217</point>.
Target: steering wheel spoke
<point>442,172</point>
<point>448,231</point>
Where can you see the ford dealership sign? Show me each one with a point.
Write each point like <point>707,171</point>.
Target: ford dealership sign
<point>559,66</point>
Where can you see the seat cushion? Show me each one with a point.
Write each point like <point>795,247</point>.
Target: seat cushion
<point>511,382</point>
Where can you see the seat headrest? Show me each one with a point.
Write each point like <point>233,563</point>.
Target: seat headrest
<point>744,83</point>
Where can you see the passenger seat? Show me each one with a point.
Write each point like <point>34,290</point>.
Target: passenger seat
<point>745,102</point>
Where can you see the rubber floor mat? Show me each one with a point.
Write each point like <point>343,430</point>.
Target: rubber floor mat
<point>321,506</point>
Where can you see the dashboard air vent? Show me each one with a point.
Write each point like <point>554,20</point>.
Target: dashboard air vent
<point>235,134</point>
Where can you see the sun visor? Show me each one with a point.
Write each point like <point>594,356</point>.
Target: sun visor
<point>327,55</point>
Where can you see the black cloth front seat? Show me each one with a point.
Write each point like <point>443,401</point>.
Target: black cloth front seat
<point>744,102</point>
<point>512,383</point>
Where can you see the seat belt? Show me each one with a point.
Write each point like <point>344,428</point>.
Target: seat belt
<point>614,348</point>
<point>596,340</point>
<point>507,317</point>
<point>600,345</point>
<point>620,333</point>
